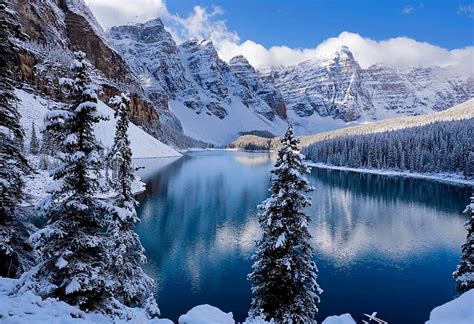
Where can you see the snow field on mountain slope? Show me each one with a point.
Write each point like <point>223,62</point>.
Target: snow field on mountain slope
<point>33,108</point>
<point>210,128</point>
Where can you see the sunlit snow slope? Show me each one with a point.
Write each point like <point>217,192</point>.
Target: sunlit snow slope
<point>33,108</point>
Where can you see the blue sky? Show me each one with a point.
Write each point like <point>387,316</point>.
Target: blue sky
<point>305,23</point>
<point>285,32</point>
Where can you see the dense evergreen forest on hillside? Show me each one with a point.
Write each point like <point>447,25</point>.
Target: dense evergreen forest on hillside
<point>436,147</point>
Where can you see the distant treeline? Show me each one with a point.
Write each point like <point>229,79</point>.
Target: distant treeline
<point>438,147</point>
<point>255,143</point>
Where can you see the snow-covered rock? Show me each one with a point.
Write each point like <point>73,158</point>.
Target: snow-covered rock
<point>252,84</point>
<point>459,311</point>
<point>337,87</point>
<point>206,314</point>
<point>341,319</point>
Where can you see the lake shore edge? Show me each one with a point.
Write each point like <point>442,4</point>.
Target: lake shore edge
<point>454,179</point>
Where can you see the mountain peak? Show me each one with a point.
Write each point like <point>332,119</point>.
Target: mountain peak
<point>157,22</point>
<point>194,42</point>
<point>345,54</point>
<point>239,59</point>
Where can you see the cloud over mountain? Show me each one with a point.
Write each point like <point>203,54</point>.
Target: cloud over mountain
<point>207,23</point>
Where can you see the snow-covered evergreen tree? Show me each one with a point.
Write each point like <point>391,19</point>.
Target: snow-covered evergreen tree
<point>34,143</point>
<point>464,274</point>
<point>13,164</point>
<point>469,169</point>
<point>131,285</point>
<point>73,265</point>
<point>284,274</point>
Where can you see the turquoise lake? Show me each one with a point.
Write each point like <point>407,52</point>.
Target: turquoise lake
<point>383,244</point>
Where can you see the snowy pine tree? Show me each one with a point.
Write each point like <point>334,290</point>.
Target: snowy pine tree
<point>34,144</point>
<point>131,286</point>
<point>284,274</point>
<point>464,274</point>
<point>469,169</point>
<point>13,164</point>
<point>73,265</point>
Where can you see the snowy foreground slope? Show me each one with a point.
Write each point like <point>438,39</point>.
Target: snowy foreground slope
<point>28,308</point>
<point>33,108</point>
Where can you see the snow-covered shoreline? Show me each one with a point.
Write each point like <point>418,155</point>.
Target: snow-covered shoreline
<point>454,179</point>
<point>26,307</point>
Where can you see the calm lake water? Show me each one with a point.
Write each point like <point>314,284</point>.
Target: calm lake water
<point>382,244</point>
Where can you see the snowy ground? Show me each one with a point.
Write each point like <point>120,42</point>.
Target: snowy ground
<point>36,183</point>
<point>441,177</point>
<point>457,311</point>
<point>33,108</point>
<point>31,309</point>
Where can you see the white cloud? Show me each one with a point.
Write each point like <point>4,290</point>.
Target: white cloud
<point>120,12</point>
<point>467,10</point>
<point>400,52</point>
<point>205,23</point>
<point>408,10</point>
<point>200,24</point>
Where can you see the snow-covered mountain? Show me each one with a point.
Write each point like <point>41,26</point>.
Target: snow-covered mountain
<point>338,88</point>
<point>316,95</point>
<point>213,100</point>
<point>183,91</point>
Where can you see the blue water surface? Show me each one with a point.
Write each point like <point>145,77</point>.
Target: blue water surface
<point>382,244</point>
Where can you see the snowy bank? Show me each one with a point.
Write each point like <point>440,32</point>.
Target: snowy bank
<point>33,108</point>
<point>341,319</point>
<point>450,178</point>
<point>206,314</point>
<point>32,309</point>
<point>459,311</point>
<point>29,308</point>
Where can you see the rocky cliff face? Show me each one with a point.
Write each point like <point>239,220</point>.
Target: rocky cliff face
<point>252,83</point>
<point>58,27</point>
<point>338,88</point>
<point>153,55</point>
<point>329,88</point>
<point>192,73</point>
